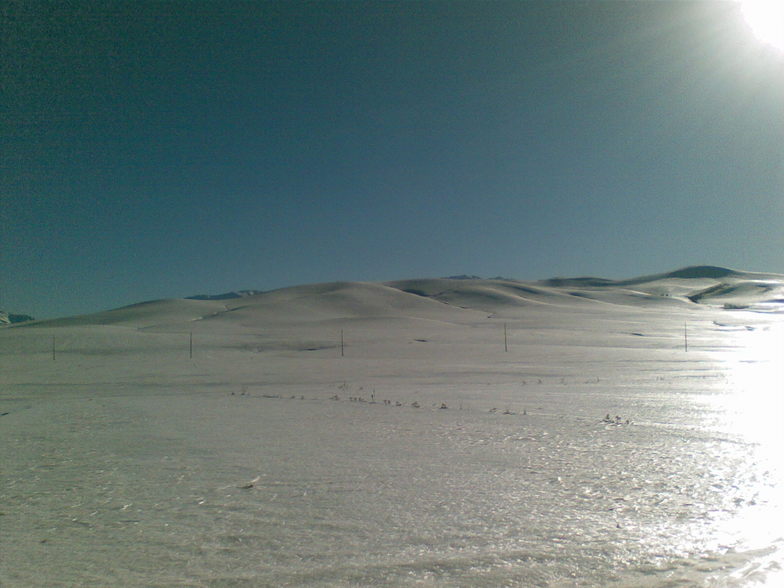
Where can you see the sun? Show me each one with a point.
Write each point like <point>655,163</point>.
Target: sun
<point>766,19</point>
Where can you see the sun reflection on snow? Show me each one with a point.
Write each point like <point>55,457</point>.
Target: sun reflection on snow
<point>753,403</point>
<point>752,414</point>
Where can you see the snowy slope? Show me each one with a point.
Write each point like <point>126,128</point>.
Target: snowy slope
<point>9,318</point>
<point>446,299</point>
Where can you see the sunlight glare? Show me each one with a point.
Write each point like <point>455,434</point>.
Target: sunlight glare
<point>766,19</point>
<point>755,402</point>
<point>753,412</point>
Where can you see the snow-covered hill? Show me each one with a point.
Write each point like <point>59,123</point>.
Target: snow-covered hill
<point>440,432</point>
<point>449,299</point>
<point>7,318</point>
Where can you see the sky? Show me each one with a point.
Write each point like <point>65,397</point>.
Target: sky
<point>165,149</point>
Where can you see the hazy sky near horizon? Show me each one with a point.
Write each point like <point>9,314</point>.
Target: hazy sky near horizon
<point>166,149</point>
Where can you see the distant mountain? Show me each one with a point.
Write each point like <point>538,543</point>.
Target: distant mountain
<point>577,282</point>
<point>703,271</point>
<point>8,319</point>
<point>444,299</point>
<point>694,272</point>
<point>226,295</point>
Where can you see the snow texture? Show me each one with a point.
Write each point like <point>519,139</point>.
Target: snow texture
<point>437,432</point>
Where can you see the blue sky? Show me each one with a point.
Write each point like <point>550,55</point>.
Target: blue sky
<point>166,149</point>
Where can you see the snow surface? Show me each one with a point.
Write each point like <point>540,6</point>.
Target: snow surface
<point>237,442</point>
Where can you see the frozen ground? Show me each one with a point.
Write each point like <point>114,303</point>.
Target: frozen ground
<point>275,457</point>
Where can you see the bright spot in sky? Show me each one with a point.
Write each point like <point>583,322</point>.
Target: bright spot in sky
<point>766,19</point>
